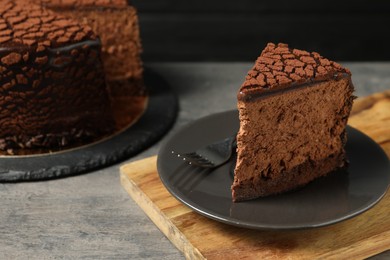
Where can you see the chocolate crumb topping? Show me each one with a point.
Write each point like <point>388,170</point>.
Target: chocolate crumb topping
<point>37,26</point>
<point>280,67</point>
<point>84,3</point>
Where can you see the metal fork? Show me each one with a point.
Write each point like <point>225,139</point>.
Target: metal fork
<point>212,155</point>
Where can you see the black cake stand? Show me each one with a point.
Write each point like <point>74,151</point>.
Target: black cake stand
<point>157,119</point>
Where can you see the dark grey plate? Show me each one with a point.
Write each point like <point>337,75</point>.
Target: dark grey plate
<point>157,119</point>
<point>339,196</point>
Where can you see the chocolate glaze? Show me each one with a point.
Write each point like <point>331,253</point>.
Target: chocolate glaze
<point>255,94</point>
<point>280,67</point>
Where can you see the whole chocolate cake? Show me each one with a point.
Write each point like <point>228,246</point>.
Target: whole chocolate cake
<point>52,85</point>
<point>62,63</point>
<point>293,110</point>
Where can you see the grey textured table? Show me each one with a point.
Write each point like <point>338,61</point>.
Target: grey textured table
<point>91,216</point>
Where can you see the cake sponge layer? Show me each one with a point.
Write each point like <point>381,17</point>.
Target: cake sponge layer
<point>291,138</point>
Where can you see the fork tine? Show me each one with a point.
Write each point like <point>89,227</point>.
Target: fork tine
<point>196,156</point>
<point>210,156</point>
<point>197,159</point>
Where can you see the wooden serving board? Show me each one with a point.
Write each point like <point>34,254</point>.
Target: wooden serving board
<point>199,237</point>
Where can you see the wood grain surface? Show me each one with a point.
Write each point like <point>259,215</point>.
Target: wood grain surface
<point>199,237</point>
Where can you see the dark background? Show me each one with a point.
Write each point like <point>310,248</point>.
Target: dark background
<point>218,30</point>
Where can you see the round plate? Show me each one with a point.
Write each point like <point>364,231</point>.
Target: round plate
<point>156,120</point>
<point>328,200</point>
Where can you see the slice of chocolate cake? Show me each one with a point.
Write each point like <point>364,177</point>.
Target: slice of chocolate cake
<point>52,85</point>
<point>293,111</point>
